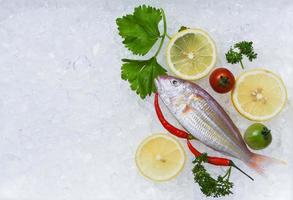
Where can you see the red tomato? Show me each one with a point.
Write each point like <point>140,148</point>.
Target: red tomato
<point>222,80</point>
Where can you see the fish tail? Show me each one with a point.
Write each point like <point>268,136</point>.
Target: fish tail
<point>260,162</point>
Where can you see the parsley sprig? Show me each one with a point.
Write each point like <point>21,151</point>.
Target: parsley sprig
<point>208,185</point>
<point>240,49</point>
<point>140,31</point>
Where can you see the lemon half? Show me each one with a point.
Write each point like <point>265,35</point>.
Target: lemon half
<point>259,94</point>
<point>160,157</point>
<point>191,54</point>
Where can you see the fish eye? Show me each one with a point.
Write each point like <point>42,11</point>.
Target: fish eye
<point>175,82</point>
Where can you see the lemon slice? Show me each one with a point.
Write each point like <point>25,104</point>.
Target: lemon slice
<point>191,54</point>
<point>259,94</point>
<point>160,157</point>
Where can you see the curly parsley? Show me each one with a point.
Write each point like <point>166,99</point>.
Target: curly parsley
<point>240,49</point>
<point>208,185</point>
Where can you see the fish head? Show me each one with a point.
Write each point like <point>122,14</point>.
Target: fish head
<point>173,91</point>
<point>169,85</point>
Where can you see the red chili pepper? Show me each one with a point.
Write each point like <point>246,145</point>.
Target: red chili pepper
<point>212,160</point>
<point>172,129</point>
<point>216,160</point>
<point>183,134</point>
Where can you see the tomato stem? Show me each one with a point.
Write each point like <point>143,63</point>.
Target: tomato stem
<point>224,81</point>
<point>265,132</point>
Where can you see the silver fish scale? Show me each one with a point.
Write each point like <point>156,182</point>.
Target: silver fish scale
<point>214,119</point>
<point>203,110</point>
<point>206,134</point>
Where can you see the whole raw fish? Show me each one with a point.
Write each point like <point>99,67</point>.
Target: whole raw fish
<point>202,116</point>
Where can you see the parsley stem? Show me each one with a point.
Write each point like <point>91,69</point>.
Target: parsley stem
<point>164,33</point>
<point>241,64</point>
<point>229,173</point>
<point>168,36</point>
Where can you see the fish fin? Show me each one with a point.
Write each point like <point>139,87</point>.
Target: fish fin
<point>260,162</point>
<point>186,109</point>
<point>188,106</point>
<point>194,97</point>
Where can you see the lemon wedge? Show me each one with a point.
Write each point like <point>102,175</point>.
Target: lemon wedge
<point>160,157</point>
<point>191,54</point>
<point>259,94</point>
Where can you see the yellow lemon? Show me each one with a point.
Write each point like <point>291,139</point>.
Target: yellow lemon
<point>259,94</point>
<point>191,54</point>
<point>160,157</point>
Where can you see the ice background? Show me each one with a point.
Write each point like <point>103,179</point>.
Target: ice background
<point>69,126</point>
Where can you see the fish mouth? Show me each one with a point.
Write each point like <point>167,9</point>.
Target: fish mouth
<point>158,82</point>
<point>158,85</point>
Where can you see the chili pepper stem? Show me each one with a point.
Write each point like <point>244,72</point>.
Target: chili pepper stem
<point>233,165</point>
<point>191,137</point>
<point>229,173</point>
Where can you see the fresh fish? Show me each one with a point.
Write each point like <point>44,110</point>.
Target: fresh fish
<point>202,116</point>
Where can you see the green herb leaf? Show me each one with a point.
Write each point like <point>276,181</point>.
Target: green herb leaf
<point>235,55</point>
<point>208,185</point>
<point>246,48</point>
<point>141,75</point>
<point>182,28</point>
<point>140,30</point>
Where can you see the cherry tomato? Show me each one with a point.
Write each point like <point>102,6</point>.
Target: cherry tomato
<point>257,136</point>
<point>222,80</point>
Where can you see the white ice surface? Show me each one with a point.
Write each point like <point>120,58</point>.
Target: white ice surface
<point>69,126</point>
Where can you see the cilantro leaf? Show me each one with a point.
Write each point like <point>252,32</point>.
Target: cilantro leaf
<point>141,75</point>
<point>140,30</point>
